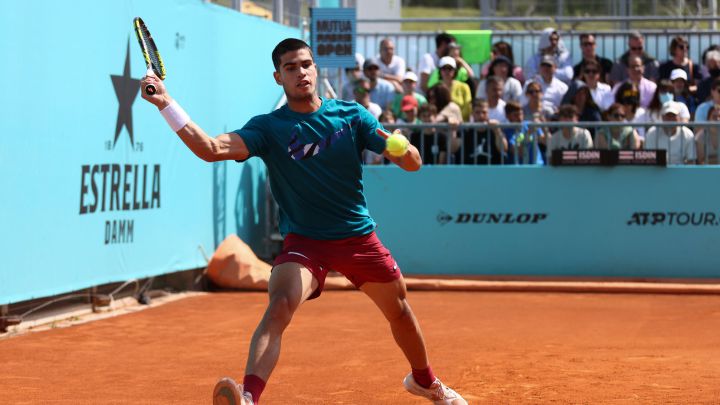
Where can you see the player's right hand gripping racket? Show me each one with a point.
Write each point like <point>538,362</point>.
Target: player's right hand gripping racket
<point>150,53</point>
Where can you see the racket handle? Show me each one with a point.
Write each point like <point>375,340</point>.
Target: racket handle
<point>150,90</point>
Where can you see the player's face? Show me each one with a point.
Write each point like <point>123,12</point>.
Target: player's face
<point>297,74</point>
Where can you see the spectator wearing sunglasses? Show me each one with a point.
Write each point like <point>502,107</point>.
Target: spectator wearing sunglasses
<point>382,92</point>
<point>679,49</point>
<point>616,137</point>
<point>646,87</point>
<point>536,107</point>
<point>636,45</point>
<point>588,46</point>
<point>362,97</point>
<point>553,88</point>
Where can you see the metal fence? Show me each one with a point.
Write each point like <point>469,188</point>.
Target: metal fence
<point>443,144</point>
<point>610,44</point>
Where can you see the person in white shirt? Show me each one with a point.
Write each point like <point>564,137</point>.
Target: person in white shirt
<point>493,96</point>
<point>392,66</point>
<point>428,63</point>
<point>553,89</point>
<point>601,93</point>
<point>678,141</point>
<point>574,138</point>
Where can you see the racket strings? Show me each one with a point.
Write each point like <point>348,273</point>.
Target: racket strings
<point>152,52</point>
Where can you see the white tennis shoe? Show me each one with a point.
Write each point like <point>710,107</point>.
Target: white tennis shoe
<point>438,393</point>
<point>228,392</point>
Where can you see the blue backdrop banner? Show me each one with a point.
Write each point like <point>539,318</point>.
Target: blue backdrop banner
<point>538,221</point>
<point>95,186</point>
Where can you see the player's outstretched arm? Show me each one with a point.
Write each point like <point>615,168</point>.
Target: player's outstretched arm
<point>400,151</point>
<point>207,148</point>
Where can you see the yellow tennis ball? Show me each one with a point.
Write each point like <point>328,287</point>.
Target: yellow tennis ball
<point>396,144</point>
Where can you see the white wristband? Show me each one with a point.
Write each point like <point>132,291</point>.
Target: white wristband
<point>175,116</point>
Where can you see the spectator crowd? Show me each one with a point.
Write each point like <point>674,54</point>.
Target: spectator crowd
<point>636,89</point>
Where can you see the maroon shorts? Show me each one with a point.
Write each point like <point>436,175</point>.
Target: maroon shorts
<point>359,258</point>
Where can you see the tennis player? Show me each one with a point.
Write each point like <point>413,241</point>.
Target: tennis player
<point>312,149</point>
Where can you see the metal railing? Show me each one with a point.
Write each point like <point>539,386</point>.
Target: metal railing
<point>611,44</point>
<point>436,147</point>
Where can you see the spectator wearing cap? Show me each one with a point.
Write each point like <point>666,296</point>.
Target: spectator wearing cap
<point>459,91</point>
<point>463,71</point>
<point>502,67</point>
<point>551,45</point>
<point>588,46</point>
<point>712,63</point>
<point>678,141</point>
<point>493,96</point>
<point>428,62</point>
<point>682,93</point>
<point>409,86</point>
<point>636,48</point>
<point>702,110</point>
<point>569,138</point>
<point>409,109</point>
<point>392,66</point>
<point>352,75</point>
<point>382,92</point>
<point>362,96</point>
<point>678,52</point>
<point>616,137</point>
<point>635,69</point>
<point>502,48</point>
<point>553,88</point>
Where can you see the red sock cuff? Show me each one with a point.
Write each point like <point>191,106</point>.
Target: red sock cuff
<point>254,385</point>
<point>424,377</point>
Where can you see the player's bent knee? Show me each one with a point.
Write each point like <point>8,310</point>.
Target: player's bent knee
<point>279,312</point>
<point>402,313</point>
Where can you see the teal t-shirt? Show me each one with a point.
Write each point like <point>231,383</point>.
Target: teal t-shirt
<point>314,163</point>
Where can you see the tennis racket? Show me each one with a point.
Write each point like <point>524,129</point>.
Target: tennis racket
<point>150,53</point>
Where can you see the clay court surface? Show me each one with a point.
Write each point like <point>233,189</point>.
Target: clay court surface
<point>495,348</point>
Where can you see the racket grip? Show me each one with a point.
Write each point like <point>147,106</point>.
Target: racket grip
<point>150,90</point>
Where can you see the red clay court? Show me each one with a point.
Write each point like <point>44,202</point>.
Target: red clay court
<point>493,347</point>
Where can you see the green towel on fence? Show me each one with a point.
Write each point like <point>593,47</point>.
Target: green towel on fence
<point>476,44</point>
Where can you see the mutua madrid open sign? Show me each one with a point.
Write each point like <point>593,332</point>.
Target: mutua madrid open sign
<point>333,37</point>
